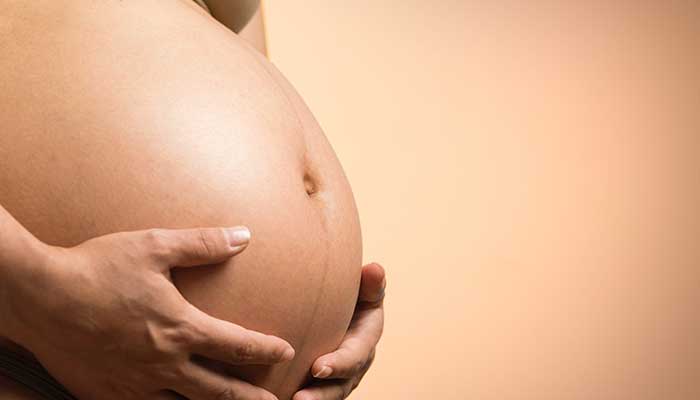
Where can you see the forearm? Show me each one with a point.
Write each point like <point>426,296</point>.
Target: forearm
<point>254,32</point>
<point>19,255</point>
<point>234,14</point>
<point>245,17</point>
<point>16,243</point>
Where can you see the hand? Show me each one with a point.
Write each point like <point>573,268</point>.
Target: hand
<point>338,373</point>
<point>106,321</point>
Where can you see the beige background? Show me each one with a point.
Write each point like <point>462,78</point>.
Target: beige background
<point>528,172</point>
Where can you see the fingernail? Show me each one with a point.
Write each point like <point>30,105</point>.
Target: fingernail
<point>288,354</point>
<point>325,372</point>
<point>238,236</point>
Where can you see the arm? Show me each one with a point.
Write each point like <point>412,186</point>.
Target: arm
<point>235,14</point>
<point>111,298</point>
<point>245,17</point>
<point>20,255</point>
<point>254,31</point>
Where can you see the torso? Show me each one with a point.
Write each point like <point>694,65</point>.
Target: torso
<point>130,115</point>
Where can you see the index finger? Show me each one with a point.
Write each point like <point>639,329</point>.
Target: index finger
<point>232,344</point>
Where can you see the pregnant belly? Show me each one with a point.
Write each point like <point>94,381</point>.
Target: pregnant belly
<point>111,123</point>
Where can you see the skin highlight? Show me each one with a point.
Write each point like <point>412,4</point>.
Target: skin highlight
<point>318,164</point>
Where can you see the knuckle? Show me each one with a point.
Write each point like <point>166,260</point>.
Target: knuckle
<point>182,335</point>
<point>352,363</point>
<point>158,243</point>
<point>226,393</point>
<point>245,351</point>
<point>165,349</point>
<point>206,244</point>
<point>175,372</point>
<point>170,342</point>
<point>358,366</point>
<point>156,339</point>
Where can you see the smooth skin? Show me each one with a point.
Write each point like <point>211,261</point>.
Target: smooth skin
<point>336,374</point>
<point>126,277</point>
<point>340,372</point>
<point>349,362</point>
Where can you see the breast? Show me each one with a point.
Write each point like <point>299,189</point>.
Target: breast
<point>112,125</point>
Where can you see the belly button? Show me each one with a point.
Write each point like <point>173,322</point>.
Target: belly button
<point>310,184</point>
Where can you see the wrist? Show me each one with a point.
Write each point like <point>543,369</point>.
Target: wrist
<point>19,274</point>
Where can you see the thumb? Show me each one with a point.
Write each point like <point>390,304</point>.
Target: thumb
<point>201,246</point>
<point>373,283</point>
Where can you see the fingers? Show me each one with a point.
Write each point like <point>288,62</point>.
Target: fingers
<point>232,344</point>
<point>201,246</point>
<point>356,352</point>
<point>326,391</point>
<point>357,349</point>
<point>202,384</point>
<point>373,283</point>
<point>347,362</point>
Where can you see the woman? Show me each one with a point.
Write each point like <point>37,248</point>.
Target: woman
<point>119,118</point>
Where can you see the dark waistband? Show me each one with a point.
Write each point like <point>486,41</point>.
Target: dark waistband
<point>31,374</point>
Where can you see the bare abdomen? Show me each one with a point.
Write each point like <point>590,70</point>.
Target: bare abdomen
<point>153,125</point>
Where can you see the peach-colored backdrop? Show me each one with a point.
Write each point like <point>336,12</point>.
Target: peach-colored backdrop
<point>529,174</point>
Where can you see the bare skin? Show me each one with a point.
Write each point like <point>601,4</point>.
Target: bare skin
<point>150,256</point>
<point>199,287</point>
<point>235,14</point>
<point>102,262</point>
<point>254,32</point>
<point>112,298</point>
<point>341,371</point>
